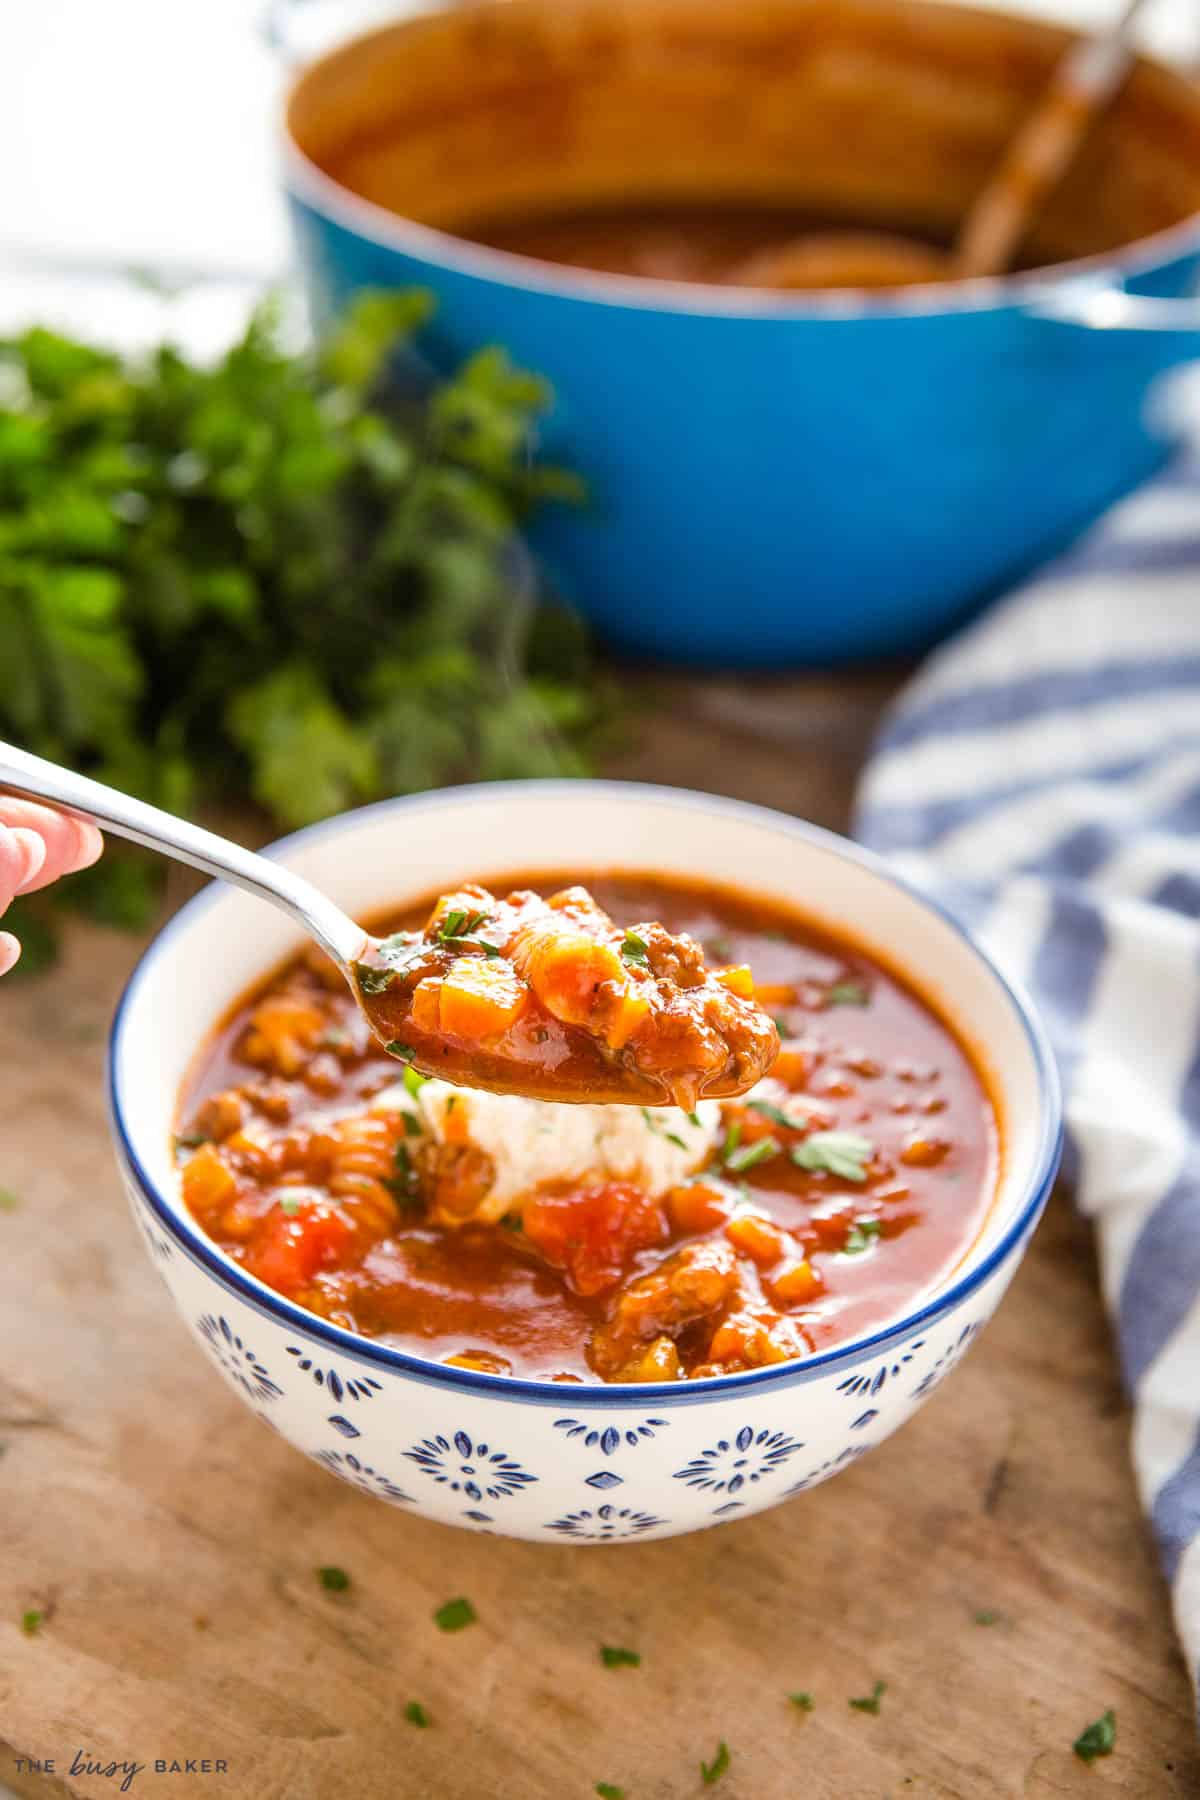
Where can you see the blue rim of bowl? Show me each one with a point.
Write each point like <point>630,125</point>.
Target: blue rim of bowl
<point>264,1300</point>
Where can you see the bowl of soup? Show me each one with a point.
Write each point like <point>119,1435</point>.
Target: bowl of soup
<point>776,477</point>
<point>566,1321</point>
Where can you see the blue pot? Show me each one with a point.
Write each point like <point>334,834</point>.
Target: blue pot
<point>797,479</point>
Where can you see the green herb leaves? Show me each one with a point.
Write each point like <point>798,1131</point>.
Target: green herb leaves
<point>334,1579</point>
<point>457,931</point>
<point>455,1615</point>
<point>619,1659</point>
<point>31,1622</point>
<point>840,1153</point>
<point>415,1713</point>
<point>634,951</point>
<point>608,1791</point>
<point>372,981</point>
<point>861,1236</point>
<point>1097,1739</point>
<point>242,578</point>
<point>869,1703</point>
<point>803,1701</point>
<point>713,1771</point>
<point>848,993</point>
<point>749,1156</point>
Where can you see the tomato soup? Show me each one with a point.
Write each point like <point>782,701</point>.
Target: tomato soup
<point>586,1243</point>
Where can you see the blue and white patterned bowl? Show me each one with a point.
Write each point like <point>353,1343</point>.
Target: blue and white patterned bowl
<point>534,1459</point>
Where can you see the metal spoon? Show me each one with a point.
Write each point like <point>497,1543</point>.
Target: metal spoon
<point>516,1065</point>
<point>1086,78</point>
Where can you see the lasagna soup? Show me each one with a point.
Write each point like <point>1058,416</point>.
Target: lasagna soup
<point>581,1242</point>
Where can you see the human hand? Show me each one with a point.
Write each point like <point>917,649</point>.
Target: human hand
<point>37,846</point>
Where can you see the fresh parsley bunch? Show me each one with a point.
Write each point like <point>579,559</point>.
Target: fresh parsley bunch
<point>256,581</point>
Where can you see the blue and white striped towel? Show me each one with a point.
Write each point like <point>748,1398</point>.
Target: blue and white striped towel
<point>1042,772</point>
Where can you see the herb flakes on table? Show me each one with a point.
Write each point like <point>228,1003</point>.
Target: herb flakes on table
<point>869,1703</point>
<point>714,1770</point>
<point>335,1580</point>
<point>614,1658</point>
<point>455,1615</point>
<point>415,1713</point>
<point>1097,1739</point>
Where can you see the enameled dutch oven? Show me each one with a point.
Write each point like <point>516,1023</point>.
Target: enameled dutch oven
<point>776,479</point>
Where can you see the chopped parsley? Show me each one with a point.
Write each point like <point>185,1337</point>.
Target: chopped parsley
<point>372,980</point>
<point>635,951</point>
<point>714,1770</point>
<point>404,1052</point>
<point>693,1118</point>
<point>31,1622</point>
<point>987,1618</point>
<point>333,1578</point>
<point>412,1125</point>
<point>848,993</point>
<point>290,1204</point>
<point>1098,1738</point>
<point>607,1791</point>
<point>415,1713</point>
<point>767,1110</point>
<point>619,1659</point>
<point>841,1153</point>
<point>671,1137</point>
<point>803,1701</point>
<point>730,1142</point>
<point>414,1082</point>
<point>455,1615</point>
<point>405,1184</point>
<point>869,1703</point>
<point>861,1236</point>
<point>748,1156</point>
<point>459,928</point>
<point>9,1201</point>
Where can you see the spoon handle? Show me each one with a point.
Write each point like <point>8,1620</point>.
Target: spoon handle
<point>36,779</point>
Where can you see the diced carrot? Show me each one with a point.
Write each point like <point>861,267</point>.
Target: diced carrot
<point>208,1182</point>
<point>758,1238</point>
<point>924,1153</point>
<point>627,1017</point>
<point>565,967</point>
<point>738,979</point>
<point>774,994</point>
<point>479,998</point>
<point>660,1362</point>
<point>792,1066</point>
<point>695,1207</point>
<point>794,1283</point>
<point>426,1004</point>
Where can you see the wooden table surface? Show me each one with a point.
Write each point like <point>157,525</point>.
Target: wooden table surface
<point>171,1542</point>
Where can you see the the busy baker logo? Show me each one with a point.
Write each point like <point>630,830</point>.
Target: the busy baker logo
<point>122,1772</point>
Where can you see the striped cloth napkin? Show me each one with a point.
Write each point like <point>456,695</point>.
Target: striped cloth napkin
<point>1042,773</point>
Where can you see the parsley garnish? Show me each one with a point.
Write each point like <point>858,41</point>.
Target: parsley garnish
<point>405,1184</point>
<point>607,1791</point>
<point>290,1204</point>
<point>371,980</point>
<point>414,1082</point>
<point>455,1615</point>
<point>415,1713</point>
<point>458,928</point>
<point>31,1622</point>
<point>619,1659</point>
<point>714,1770</point>
<point>869,1703</point>
<point>693,1118</point>
<point>404,1052</point>
<point>750,1155</point>
<point>847,993</point>
<point>767,1110</point>
<point>803,1701</point>
<point>860,1236</point>
<point>333,1578</point>
<point>9,1201</point>
<point>412,1125</point>
<point>634,951</point>
<point>671,1137</point>
<point>730,1142</point>
<point>841,1153</point>
<point>1097,1739</point>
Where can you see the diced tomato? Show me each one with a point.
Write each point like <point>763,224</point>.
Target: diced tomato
<point>289,1248</point>
<point>593,1233</point>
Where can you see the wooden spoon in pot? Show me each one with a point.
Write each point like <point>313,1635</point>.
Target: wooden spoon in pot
<point>1087,77</point>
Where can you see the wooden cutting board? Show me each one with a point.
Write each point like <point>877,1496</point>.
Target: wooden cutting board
<point>171,1542</point>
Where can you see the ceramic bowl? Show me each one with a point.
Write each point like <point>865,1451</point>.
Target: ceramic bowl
<point>533,1459</point>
